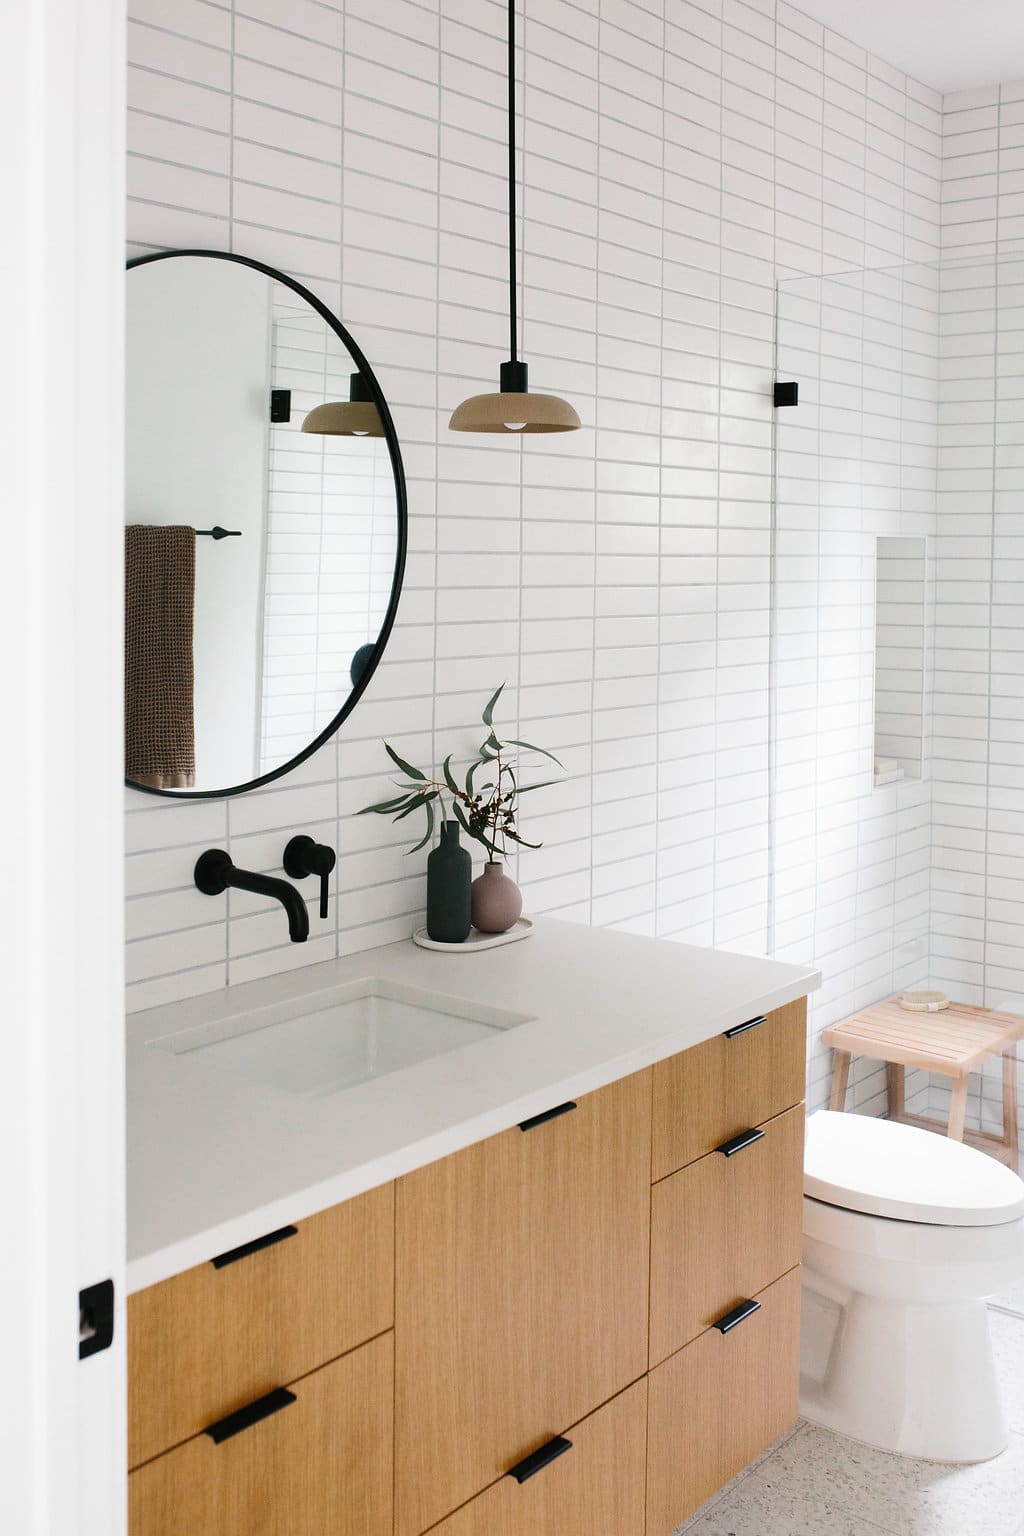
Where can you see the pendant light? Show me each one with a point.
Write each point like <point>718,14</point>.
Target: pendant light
<point>514,409</point>
<point>357,416</point>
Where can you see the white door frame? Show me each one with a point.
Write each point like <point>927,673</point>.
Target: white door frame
<point>62,100</point>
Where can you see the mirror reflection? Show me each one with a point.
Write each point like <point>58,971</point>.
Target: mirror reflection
<point>261,558</point>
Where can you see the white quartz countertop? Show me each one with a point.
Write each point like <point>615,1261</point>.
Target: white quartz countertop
<point>215,1159</point>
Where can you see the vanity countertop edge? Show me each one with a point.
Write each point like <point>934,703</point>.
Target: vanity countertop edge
<point>216,1160</point>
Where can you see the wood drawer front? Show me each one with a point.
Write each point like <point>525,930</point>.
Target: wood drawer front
<point>724,1228</point>
<point>717,1089</point>
<point>522,1271</point>
<point>321,1464</point>
<point>718,1403</point>
<point>594,1489</point>
<point>208,1341</point>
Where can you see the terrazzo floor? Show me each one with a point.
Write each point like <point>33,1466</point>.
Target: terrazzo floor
<point>815,1483</point>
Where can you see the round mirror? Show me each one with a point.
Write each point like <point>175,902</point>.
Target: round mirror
<point>266,524</point>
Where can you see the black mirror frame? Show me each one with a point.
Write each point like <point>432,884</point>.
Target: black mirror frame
<point>401,509</point>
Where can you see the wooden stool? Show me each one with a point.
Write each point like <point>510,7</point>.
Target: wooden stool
<point>953,1043</point>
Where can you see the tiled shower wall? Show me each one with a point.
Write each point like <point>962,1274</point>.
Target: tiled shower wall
<point>978,798</point>
<point>675,162</point>
<point>856,460</point>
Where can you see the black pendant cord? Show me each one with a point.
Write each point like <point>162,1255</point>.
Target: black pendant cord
<point>512,179</point>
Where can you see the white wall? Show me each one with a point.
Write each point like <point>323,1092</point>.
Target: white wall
<point>62,1421</point>
<point>618,578</point>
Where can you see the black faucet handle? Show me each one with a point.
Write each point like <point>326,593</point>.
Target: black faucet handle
<point>302,857</point>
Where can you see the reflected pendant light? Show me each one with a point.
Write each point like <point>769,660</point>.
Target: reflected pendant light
<point>357,416</point>
<point>514,409</point>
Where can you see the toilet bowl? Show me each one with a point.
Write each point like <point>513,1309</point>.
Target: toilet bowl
<point>905,1233</point>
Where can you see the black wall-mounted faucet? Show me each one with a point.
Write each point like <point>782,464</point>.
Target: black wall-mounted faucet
<point>303,857</point>
<point>214,872</point>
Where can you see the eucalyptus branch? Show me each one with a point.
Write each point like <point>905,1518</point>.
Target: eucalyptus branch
<point>486,814</point>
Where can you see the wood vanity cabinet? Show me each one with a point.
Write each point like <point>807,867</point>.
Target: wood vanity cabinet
<point>593,1488</point>
<point>207,1342</point>
<point>583,1326</point>
<point>521,1294</point>
<point>320,1461</point>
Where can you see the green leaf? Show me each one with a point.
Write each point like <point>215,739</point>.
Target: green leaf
<point>448,778</point>
<point>529,747</point>
<point>470,772</point>
<point>488,714</point>
<point>385,805</point>
<point>427,834</point>
<point>517,839</point>
<point>406,768</point>
<point>460,817</point>
<point>416,802</point>
<point>524,789</point>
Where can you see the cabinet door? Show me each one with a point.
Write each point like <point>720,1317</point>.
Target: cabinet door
<point>521,1294</point>
<point>724,1228</point>
<point>321,1463</point>
<point>596,1488</point>
<point>205,1342</point>
<point>715,1090</point>
<point>720,1402</point>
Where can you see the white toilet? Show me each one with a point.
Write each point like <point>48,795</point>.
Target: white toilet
<point>904,1233</point>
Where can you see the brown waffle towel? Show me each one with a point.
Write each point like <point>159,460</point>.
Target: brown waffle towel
<point>160,580</point>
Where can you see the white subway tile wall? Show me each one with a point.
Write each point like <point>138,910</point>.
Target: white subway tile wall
<point>856,468</point>
<point>978,857</point>
<point>900,620</point>
<point>675,160</point>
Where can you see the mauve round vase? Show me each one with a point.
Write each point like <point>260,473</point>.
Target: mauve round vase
<point>449,878</point>
<point>497,900</point>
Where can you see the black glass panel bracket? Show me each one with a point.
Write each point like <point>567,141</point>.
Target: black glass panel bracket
<point>252,1413</point>
<point>376,394</point>
<point>95,1318</point>
<point>280,405</point>
<point>786,394</point>
<point>537,1460</point>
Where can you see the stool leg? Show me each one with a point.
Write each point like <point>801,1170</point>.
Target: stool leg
<point>958,1109</point>
<point>1010,1102</point>
<point>896,1082</point>
<point>840,1078</point>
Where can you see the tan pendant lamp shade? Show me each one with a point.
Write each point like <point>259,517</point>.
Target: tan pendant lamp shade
<point>357,416</point>
<point>513,409</point>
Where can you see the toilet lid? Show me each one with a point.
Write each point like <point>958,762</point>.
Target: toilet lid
<point>906,1174</point>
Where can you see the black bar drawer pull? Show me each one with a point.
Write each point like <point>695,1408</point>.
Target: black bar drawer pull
<point>544,1116</point>
<point>539,1459</point>
<point>251,1414</point>
<point>741,1029</point>
<point>234,1254</point>
<point>737,1315</point>
<point>737,1143</point>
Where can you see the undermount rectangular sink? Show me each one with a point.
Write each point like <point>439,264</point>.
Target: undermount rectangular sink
<point>314,1046</point>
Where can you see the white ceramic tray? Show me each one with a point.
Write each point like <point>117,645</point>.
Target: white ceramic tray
<point>520,930</point>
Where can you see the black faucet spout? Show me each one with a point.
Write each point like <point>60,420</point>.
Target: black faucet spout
<point>214,872</point>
